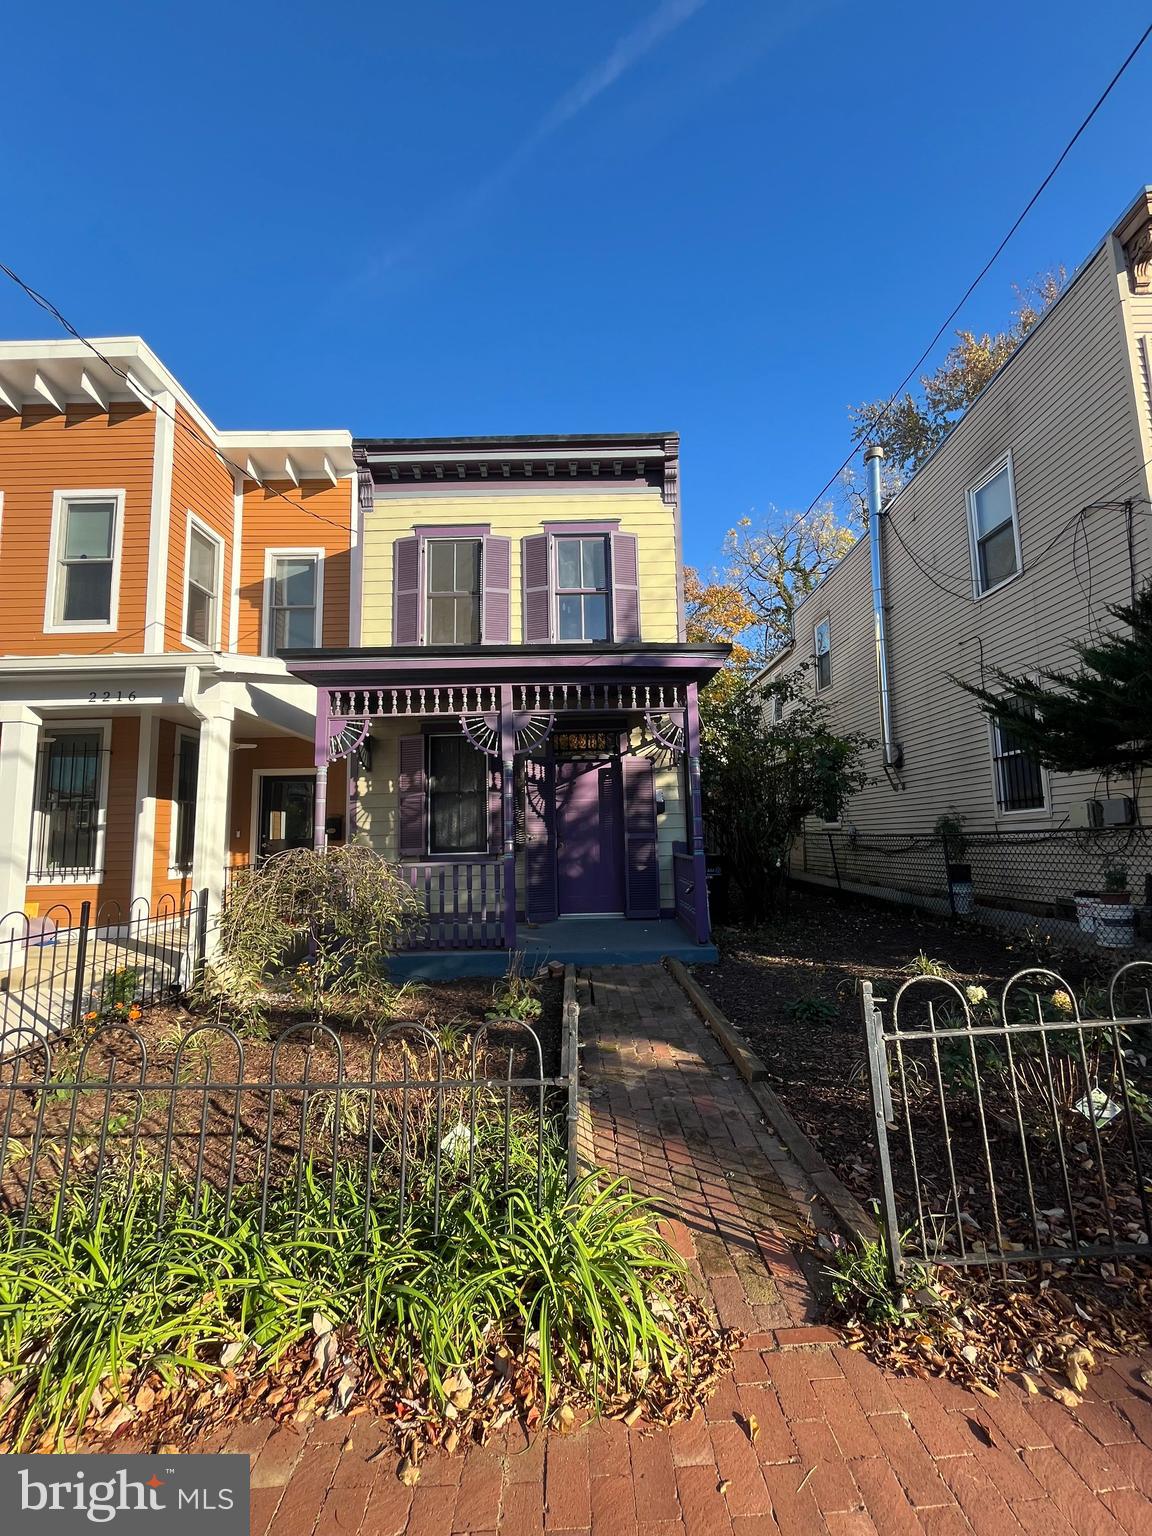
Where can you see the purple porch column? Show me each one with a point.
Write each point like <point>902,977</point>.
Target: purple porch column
<point>508,805</point>
<point>696,814</point>
<point>320,806</point>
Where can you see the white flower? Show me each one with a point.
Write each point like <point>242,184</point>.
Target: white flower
<point>976,994</point>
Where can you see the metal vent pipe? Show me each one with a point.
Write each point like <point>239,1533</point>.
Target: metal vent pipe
<point>893,752</point>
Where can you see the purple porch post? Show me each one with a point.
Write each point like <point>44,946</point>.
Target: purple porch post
<point>696,814</point>
<point>320,805</point>
<point>508,807</point>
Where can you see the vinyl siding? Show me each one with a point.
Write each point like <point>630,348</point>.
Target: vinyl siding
<point>1065,409</point>
<point>203,486</point>
<point>285,516</point>
<point>43,451</point>
<point>515,514</point>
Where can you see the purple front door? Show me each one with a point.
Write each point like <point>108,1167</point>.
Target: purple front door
<point>589,859</point>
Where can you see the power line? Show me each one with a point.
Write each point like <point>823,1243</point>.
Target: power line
<point>984,270</point>
<point>187,426</point>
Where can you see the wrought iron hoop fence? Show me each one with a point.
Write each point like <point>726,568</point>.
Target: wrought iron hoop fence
<point>1013,1131</point>
<point>406,1133</point>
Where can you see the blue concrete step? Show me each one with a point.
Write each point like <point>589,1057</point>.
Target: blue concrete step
<point>572,941</point>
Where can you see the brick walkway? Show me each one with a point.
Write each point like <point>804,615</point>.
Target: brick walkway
<point>842,1449</point>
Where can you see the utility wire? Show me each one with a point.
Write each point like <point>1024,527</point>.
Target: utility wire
<point>189,427</point>
<point>986,268</point>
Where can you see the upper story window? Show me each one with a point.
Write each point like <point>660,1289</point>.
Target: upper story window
<point>292,584</point>
<point>84,561</point>
<point>822,644</point>
<point>1020,782</point>
<point>453,596</point>
<point>994,529</point>
<point>202,586</point>
<point>582,589</point>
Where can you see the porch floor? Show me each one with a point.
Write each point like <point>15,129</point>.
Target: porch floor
<point>574,941</point>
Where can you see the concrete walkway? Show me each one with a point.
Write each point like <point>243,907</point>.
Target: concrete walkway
<point>841,1449</point>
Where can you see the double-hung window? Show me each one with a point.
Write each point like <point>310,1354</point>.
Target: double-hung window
<point>453,592</point>
<point>822,645</point>
<point>1019,776</point>
<point>85,555</point>
<point>293,587</point>
<point>995,534</point>
<point>202,586</point>
<point>457,796</point>
<point>582,588</point>
<point>68,805</point>
<point>184,801</point>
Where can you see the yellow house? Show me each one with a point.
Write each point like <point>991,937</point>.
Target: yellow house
<point>518,722</point>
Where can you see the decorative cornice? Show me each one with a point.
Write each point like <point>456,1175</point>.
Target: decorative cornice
<point>1135,235</point>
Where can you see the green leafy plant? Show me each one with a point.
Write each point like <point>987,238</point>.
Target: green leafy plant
<point>811,1010</point>
<point>861,1283</point>
<point>93,1303</point>
<point>949,828</point>
<point>516,996</point>
<point>116,1003</point>
<point>924,965</point>
<point>1115,878</point>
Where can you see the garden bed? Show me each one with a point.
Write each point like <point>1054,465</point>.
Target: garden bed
<point>792,991</point>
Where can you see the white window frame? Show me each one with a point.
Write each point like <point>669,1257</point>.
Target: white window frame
<point>177,871</point>
<point>95,874</point>
<point>998,811</point>
<point>311,552</point>
<point>192,521</point>
<point>826,625</point>
<point>61,500</point>
<point>608,589</point>
<point>426,593</point>
<point>1003,462</point>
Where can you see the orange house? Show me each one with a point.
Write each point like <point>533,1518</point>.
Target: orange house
<point>154,569</point>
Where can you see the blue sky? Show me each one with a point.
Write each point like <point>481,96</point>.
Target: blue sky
<point>728,217</point>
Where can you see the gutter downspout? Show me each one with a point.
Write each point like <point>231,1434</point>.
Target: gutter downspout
<point>892,750</point>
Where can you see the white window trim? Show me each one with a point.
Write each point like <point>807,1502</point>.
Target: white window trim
<point>1004,461</point>
<point>176,871</point>
<point>192,521</point>
<point>824,623</point>
<point>60,502</point>
<point>426,594</point>
<point>94,875</point>
<point>998,811</point>
<point>609,589</point>
<point>311,552</point>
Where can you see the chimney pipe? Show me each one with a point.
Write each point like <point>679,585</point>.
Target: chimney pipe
<point>893,752</point>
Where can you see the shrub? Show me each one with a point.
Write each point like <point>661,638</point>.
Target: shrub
<point>349,907</point>
<point>93,1304</point>
<point>811,1010</point>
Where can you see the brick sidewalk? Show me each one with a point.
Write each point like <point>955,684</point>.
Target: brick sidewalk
<point>842,1449</point>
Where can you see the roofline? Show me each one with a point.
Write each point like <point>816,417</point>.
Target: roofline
<point>545,442</point>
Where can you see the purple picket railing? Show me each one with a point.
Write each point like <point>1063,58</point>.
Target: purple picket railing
<point>684,878</point>
<point>464,901</point>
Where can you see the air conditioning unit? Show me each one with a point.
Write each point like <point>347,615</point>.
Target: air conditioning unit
<point>1116,811</point>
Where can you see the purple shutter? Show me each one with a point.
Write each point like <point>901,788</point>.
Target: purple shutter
<point>537,590</point>
<point>642,858</point>
<point>539,844</point>
<point>413,799</point>
<point>497,572</point>
<point>406,586</point>
<point>625,587</point>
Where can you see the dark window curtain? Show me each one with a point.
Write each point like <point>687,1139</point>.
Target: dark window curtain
<point>457,796</point>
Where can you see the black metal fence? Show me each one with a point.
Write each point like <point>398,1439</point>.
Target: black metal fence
<point>63,968</point>
<point>250,1129</point>
<point>1013,1130</point>
<point>1085,889</point>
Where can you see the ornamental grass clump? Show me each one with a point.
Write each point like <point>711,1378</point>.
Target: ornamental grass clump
<point>343,1302</point>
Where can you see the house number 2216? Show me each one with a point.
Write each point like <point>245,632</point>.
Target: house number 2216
<point>111,696</point>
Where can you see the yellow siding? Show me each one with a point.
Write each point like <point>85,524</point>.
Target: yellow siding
<point>514,514</point>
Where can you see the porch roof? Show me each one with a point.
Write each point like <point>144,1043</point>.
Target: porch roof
<point>401,665</point>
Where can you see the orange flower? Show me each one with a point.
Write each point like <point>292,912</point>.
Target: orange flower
<point>88,1017</point>
<point>134,1013</point>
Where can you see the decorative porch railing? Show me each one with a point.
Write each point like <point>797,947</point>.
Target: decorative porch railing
<point>484,698</point>
<point>464,902</point>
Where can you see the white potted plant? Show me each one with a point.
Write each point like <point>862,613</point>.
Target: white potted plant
<point>1115,923</point>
